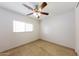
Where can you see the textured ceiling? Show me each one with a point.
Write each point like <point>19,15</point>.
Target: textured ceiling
<point>54,8</point>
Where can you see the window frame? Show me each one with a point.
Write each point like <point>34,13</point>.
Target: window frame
<point>26,27</point>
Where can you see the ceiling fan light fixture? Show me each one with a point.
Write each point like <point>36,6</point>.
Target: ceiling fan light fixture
<point>37,11</point>
<point>40,10</point>
<point>39,14</point>
<point>36,14</point>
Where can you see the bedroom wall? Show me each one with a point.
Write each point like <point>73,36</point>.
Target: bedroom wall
<point>10,39</point>
<point>59,29</point>
<point>77,28</point>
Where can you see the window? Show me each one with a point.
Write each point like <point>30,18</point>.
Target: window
<point>28,27</point>
<point>19,26</point>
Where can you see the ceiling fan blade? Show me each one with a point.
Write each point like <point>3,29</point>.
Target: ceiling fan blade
<point>44,13</point>
<point>44,4</point>
<point>29,14</point>
<point>28,6</point>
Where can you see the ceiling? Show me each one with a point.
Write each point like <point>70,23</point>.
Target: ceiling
<point>53,8</point>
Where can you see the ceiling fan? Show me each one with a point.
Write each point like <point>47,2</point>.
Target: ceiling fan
<point>37,11</point>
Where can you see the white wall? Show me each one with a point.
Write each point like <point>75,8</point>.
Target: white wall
<point>9,39</point>
<point>59,29</point>
<point>77,29</point>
